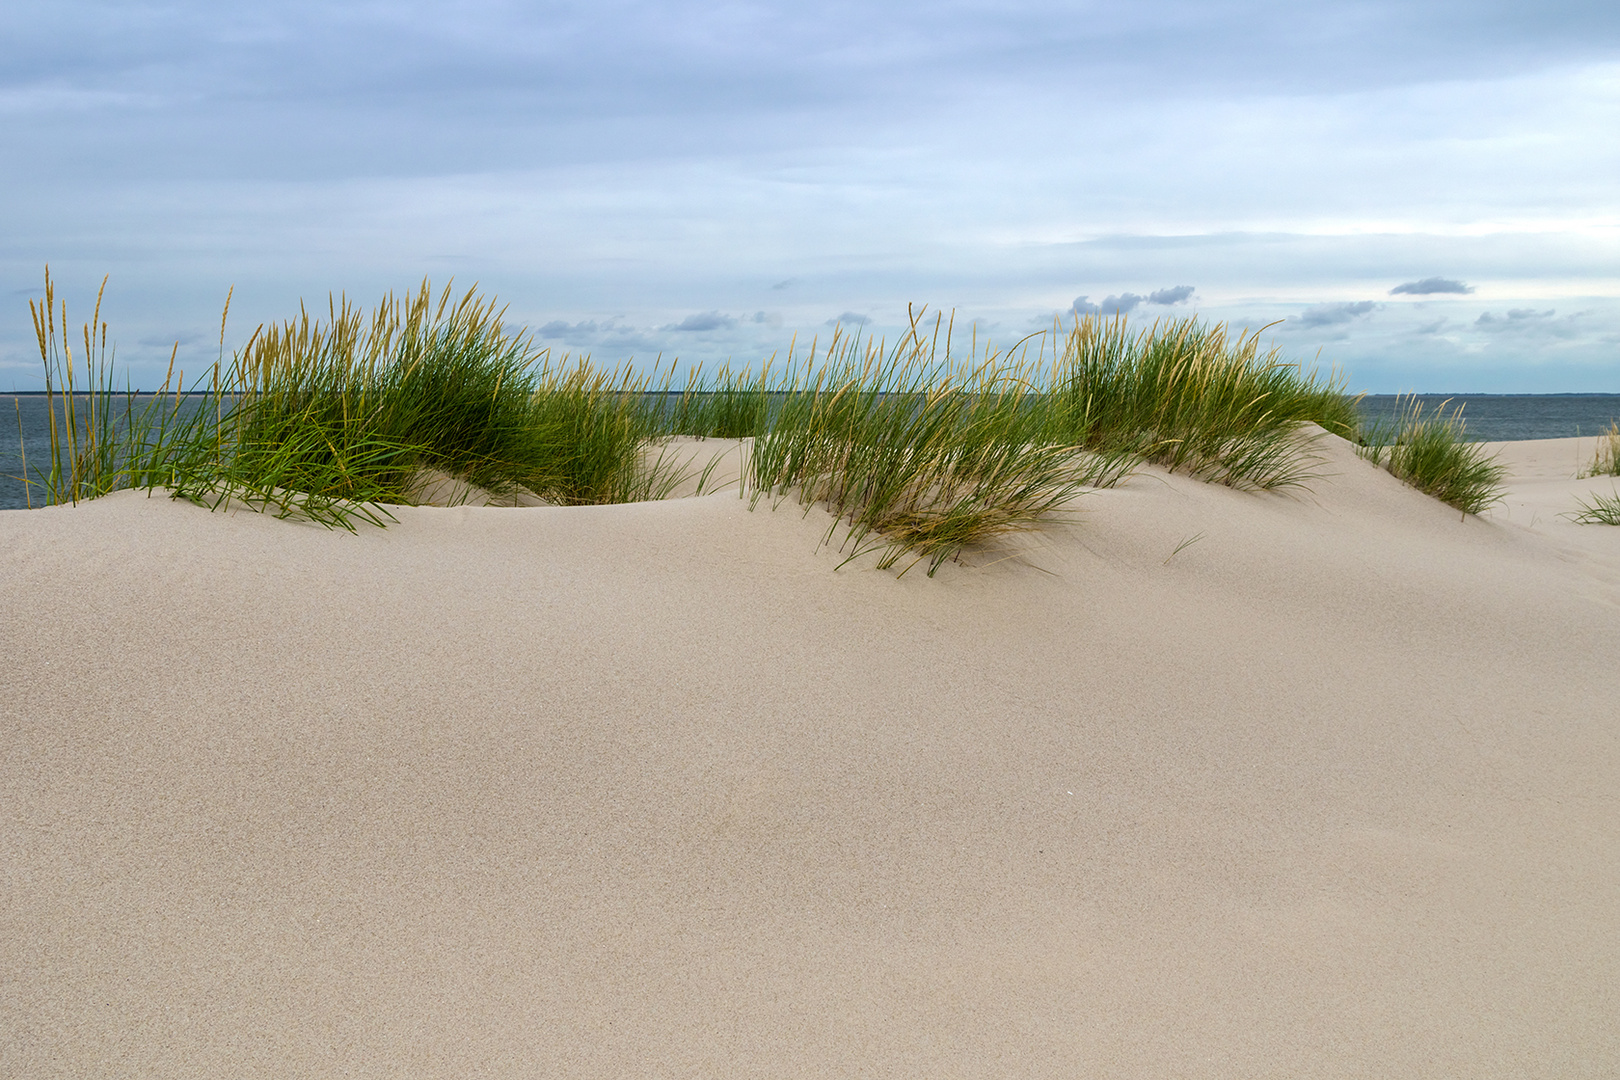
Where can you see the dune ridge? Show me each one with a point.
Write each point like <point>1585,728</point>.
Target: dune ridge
<point>1322,782</point>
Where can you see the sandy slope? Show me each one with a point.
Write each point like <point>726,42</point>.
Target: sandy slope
<point>650,791</point>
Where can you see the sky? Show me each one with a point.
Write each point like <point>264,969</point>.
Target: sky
<point>1422,195</point>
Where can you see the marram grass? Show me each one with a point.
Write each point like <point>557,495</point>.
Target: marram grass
<point>428,381</point>
<point>1602,510</point>
<point>917,451</point>
<point>1187,395</point>
<point>921,451</point>
<point>332,420</point>
<point>914,451</point>
<point>1606,460</point>
<point>728,405</point>
<point>101,438</point>
<point>1430,451</point>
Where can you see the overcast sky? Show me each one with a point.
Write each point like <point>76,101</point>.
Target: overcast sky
<point>1424,194</point>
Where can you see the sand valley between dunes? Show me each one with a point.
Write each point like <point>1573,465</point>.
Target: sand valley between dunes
<point>1204,783</point>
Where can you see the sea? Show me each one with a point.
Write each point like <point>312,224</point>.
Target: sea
<point>1487,418</point>
<point>1508,417</point>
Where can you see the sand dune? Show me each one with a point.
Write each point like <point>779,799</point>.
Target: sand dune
<point>1203,784</point>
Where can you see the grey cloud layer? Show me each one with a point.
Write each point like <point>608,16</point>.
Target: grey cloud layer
<point>1532,324</point>
<point>1335,314</point>
<point>688,163</point>
<point>702,323</point>
<point>398,88</point>
<point>1431,286</point>
<point>1178,295</point>
<point>1125,303</point>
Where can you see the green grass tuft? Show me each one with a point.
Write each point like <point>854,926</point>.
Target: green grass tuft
<point>1430,451</point>
<point>913,448</point>
<point>588,431</point>
<point>101,439</point>
<point>1186,395</point>
<point>1602,510</point>
<point>730,405</point>
<point>915,451</point>
<point>333,420</point>
<point>1606,461</point>
<point>350,408</point>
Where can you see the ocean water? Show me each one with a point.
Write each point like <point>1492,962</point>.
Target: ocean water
<point>1510,417</point>
<point>1489,417</point>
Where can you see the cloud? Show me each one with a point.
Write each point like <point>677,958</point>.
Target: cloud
<point>558,328</point>
<point>765,318</point>
<point>1515,319</point>
<point>1334,314</point>
<point>653,149</point>
<point>1514,315</point>
<point>626,340</point>
<point>612,333</point>
<point>580,333</point>
<point>698,324</point>
<point>1431,285</point>
<point>1112,305</point>
<point>849,318</point>
<point>1178,295</point>
<point>1125,303</point>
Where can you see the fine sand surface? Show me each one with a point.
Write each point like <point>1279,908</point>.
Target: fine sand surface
<point>653,791</point>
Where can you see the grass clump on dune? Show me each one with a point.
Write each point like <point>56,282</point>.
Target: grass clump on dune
<point>1187,396</point>
<point>912,448</point>
<point>101,439</point>
<point>590,430</point>
<point>1183,394</point>
<point>1606,461</point>
<point>729,405</point>
<point>920,451</point>
<point>916,452</point>
<point>1431,452</point>
<point>336,420</point>
<point>431,383</point>
<point>1602,510</point>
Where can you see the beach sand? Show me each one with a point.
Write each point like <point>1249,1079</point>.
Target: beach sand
<point>1205,783</point>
